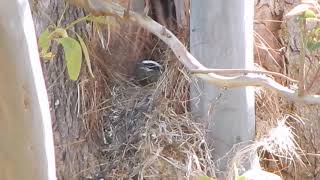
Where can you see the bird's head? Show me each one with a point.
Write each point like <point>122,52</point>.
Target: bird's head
<point>147,71</point>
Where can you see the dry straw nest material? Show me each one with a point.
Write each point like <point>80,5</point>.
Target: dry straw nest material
<point>275,148</point>
<point>147,132</point>
<point>150,133</point>
<point>276,139</point>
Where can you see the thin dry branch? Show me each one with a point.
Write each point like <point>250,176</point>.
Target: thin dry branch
<point>184,56</point>
<point>240,71</point>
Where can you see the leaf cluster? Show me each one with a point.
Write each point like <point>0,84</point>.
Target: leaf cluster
<point>74,48</point>
<point>309,10</point>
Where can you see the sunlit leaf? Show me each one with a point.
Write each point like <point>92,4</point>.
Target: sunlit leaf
<point>73,56</point>
<point>47,56</point>
<point>309,14</point>
<point>313,46</point>
<point>58,33</point>
<point>298,10</point>
<point>44,41</point>
<point>86,54</point>
<point>240,178</point>
<point>205,178</point>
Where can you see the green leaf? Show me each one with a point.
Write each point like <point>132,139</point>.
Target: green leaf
<point>309,14</point>
<point>44,41</point>
<point>312,46</point>
<point>240,178</point>
<point>47,56</point>
<point>86,54</point>
<point>73,56</point>
<point>58,33</point>
<point>205,178</point>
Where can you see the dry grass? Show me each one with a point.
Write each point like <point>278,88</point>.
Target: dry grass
<point>276,140</point>
<point>141,132</point>
<point>149,133</point>
<point>275,147</point>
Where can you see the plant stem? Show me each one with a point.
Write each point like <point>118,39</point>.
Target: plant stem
<point>76,21</point>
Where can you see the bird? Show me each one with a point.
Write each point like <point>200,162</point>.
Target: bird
<point>147,72</point>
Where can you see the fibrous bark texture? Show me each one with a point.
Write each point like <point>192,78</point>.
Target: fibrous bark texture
<point>75,152</point>
<point>278,48</point>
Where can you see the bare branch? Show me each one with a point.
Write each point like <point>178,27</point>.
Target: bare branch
<point>185,57</point>
<point>240,71</point>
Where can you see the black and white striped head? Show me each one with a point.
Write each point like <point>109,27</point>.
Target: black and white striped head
<point>147,71</point>
<point>149,66</point>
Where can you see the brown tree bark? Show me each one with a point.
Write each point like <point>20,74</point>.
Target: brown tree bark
<point>281,35</point>
<point>75,153</point>
<point>77,134</point>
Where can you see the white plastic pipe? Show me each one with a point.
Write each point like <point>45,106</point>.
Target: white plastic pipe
<point>26,140</point>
